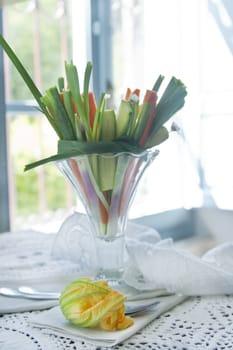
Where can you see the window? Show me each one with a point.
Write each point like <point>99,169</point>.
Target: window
<point>192,40</point>
<point>43,46</point>
<point>130,43</point>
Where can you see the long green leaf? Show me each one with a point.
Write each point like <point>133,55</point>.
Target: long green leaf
<point>87,77</point>
<point>22,71</point>
<point>67,149</point>
<point>52,121</point>
<point>171,102</point>
<point>97,147</point>
<point>158,83</point>
<point>97,115</point>
<point>61,84</point>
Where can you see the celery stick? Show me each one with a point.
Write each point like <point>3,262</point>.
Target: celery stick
<point>123,118</point>
<point>78,128</point>
<point>100,107</point>
<point>133,120</point>
<point>73,82</point>
<point>99,194</point>
<point>107,166</point>
<point>100,119</point>
<point>108,125</point>
<point>60,81</point>
<point>69,107</point>
<point>57,109</point>
<point>123,162</point>
<point>142,120</point>
<point>87,76</point>
<point>155,139</point>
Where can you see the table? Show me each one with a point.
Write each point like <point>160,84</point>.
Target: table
<point>198,323</point>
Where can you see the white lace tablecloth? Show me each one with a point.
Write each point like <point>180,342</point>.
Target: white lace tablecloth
<point>198,323</point>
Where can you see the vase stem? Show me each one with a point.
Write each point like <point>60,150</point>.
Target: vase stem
<point>110,258</point>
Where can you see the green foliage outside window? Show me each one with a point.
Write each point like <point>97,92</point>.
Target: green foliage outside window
<point>44,184</point>
<point>29,136</point>
<point>36,36</point>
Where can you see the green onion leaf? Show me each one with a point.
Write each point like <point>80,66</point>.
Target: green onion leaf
<point>158,83</point>
<point>67,149</point>
<point>22,71</point>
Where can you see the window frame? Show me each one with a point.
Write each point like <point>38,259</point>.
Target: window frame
<point>4,202</point>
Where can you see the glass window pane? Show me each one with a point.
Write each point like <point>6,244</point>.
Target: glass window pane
<point>217,145</point>
<point>193,41</point>
<point>42,194</point>
<point>43,45</point>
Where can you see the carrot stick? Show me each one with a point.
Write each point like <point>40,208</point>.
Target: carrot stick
<point>103,213</point>
<point>126,187</point>
<point>146,131</point>
<point>150,97</point>
<point>128,93</point>
<point>146,117</point>
<point>92,108</point>
<point>136,92</point>
<point>61,97</point>
<point>73,103</point>
<point>78,175</point>
<point>74,107</point>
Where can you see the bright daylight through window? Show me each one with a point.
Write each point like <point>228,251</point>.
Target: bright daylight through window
<point>194,43</point>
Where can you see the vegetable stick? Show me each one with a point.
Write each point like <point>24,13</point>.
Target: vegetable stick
<point>97,118</point>
<point>92,108</point>
<point>76,117</point>
<point>158,83</point>
<point>128,181</point>
<point>73,82</point>
<point>74,107</point>
<point>66,99</point>
<point>128,93</point>
<point>150,96</point>
<point>171,102</point>
<point>57,110</point>
<point>103,212</point>
<point>136,92</point>
<point>78,129</point>
<point>61,94</point>
<point>146,131</point>
<point>60,84</point>
<point>77,173</point>
<point>148,108</point>
<point>86,83</point>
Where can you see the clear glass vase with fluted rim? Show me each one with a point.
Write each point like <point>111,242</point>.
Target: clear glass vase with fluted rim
<point>106,185</point>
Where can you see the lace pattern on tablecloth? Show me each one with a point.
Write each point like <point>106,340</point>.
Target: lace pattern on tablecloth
<point>30,254</point>
<point>198,323</point>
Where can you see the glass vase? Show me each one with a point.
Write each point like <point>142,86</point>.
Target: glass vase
<point>106,184</point>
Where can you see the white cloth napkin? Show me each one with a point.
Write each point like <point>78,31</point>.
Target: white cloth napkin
<point>178,271</point>
<point>54,322</point>
<point>152,263</point>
